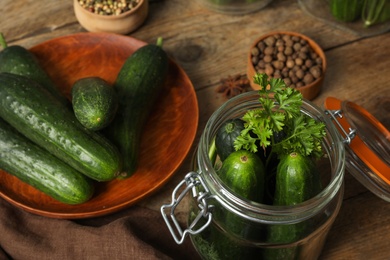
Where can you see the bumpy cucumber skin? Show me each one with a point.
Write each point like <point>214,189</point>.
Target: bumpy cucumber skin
<point>40,169</point>
<point>94,102</point>
<point>243,172</point>
<point>18,60</point>
<point>38,115</point>
<point>297,180</point>
<point>138,86</point>
<point>226,135</point>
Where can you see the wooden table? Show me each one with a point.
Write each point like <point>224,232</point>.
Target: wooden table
<point>211,46</point>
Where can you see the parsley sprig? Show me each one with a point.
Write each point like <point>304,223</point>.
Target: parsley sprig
<point>280,113</point>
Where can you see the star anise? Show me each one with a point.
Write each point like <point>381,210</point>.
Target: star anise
<point>233,85</point>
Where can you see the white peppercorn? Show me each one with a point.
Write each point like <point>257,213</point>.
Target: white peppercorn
<point>108,7</point>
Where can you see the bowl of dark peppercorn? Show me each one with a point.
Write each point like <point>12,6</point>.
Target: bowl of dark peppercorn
<point>291,56</point>
<point>112,16</point>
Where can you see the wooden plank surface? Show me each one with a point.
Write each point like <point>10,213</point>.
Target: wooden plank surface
<point>210,46</point>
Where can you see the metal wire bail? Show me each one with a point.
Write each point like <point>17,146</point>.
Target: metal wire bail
<point>339,113</point>
<point>190,183</point>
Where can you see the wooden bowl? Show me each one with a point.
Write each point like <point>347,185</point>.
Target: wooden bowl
<point>120,24</point>
<point>309,91</point>
<point>165,143</point>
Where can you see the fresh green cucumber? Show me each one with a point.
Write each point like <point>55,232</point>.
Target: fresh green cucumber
<point>37,114</point>
<point>384,16</point>
<point>226,135</point>
<point>94,102</point>
<point>297,180</point>
<point>243,172</point>
<point>375,11</point>
<point>35,166</point>
<point>346,10</point>
<point>18,60</point>
<point>138,85</point>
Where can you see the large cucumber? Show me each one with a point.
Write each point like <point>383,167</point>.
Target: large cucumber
<point>138,86</point>
<point>40,169</point>
<point>18,60</point>
<point>37,114</point>
<point>243,172</point>
<point>297,180</point>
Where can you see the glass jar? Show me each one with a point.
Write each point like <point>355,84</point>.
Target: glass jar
<point>235,7</point>
<point>333,12</point>
<point>223,225</point>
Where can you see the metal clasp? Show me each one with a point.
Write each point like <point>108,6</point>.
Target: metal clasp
<point>339,113</point>
<point>191,182</point>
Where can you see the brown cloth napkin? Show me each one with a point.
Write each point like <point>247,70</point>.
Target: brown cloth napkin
<point>134,233</point>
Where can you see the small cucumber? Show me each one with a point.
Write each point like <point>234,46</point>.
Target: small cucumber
<point>40,169</point>
<point>243,172</point>
<point>297,180</point>
<point>38,115</point>
<point>346,10</point>
<point>226,135</point>
<point>16,59</point>
<point>138,86</point>
<point>94,102</point>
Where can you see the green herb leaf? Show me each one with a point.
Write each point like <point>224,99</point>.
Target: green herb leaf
<point>280,110</point>
<point>303,136</point>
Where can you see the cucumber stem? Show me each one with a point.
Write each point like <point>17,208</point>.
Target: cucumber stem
<point>159,42</point>
<point>3,42</point>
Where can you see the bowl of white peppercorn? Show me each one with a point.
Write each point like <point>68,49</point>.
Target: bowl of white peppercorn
<point>291,56</point>
<point>111,16</point>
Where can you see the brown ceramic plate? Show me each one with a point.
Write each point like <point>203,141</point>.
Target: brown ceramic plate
<point>166,141</point>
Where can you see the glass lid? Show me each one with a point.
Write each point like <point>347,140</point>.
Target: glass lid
<point>370,130</point>
<point>367,145</point>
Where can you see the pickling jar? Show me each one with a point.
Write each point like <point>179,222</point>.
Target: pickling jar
<point>235,7</point>
<point>322,10</point>
<point>223,225</point>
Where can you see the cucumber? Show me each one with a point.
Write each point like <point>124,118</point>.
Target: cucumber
<point>94,102</point>
<point>346,10</point>
<point>384,16</point>
<point>226,135</point>
<point>138,86</point>
<point>16,59</point>
<point>375,12</point>
<point>40,169</point>
<point>297,180</point>
<point>38,115</point>
<point>243,172</point>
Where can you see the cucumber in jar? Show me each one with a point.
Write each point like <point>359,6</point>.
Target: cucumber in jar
<point>297,180</point>
<point>243,173</point>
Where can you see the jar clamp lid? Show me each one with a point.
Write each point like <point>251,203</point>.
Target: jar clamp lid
<point>368,145</point>
<point>367,148</point>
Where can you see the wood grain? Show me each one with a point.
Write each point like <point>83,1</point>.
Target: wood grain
<point>211,46</point>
